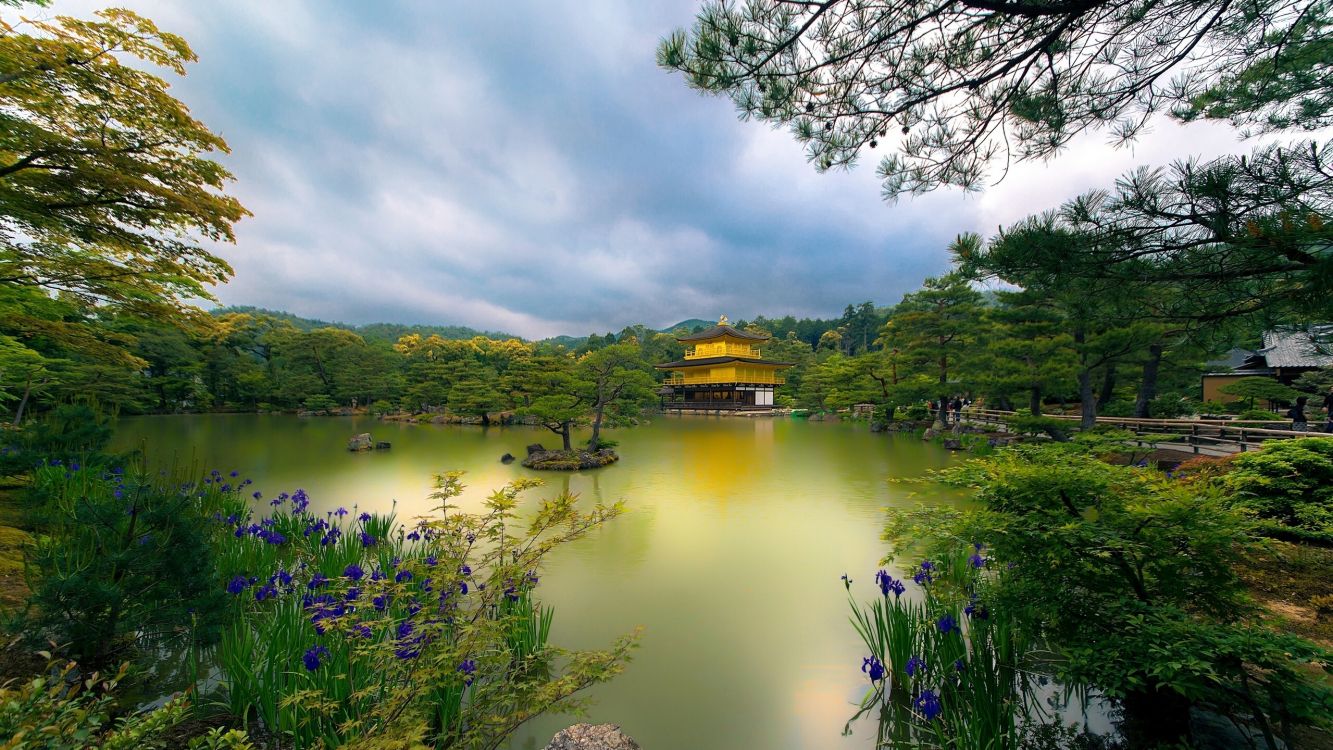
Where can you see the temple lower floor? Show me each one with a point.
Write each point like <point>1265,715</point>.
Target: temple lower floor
<point>717,397</point>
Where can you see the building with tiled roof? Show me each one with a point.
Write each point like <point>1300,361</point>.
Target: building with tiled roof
<point>723,370</point>
<point>1286,354</point>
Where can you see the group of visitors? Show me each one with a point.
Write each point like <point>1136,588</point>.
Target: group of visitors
<point>1296,413</point>
<point>940,409</point>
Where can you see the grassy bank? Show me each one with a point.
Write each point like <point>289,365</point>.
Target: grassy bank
<point>13,536</point>
<point>1291,581</point>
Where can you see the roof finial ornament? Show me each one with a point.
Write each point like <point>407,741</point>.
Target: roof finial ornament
<point>722,321</point>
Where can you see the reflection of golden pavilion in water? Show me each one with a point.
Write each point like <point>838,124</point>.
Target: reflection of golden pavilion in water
<point>722,371</point>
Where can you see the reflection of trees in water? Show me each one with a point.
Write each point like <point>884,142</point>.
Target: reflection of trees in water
<point>1046,714</point>
<point>622,545</point>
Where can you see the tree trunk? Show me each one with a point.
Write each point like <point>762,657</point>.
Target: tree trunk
<point>1108,386</point>
<point>23,402</point>
<point>1148,387</point>
<point>1088,404</point>
<point>564,436</point>
<point>596,427</point>
<point>1034,400</point>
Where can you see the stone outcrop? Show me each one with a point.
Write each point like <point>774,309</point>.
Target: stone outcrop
<point>507,458</point>
<point>592,737</point>
<point>362,442</point>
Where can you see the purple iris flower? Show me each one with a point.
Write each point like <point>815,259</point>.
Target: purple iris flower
<point>873,668</point>
<point>468,667</point>
<point>312,657</point>
<point>914,665</point>
<point>888,583</point>
<point>928,704</point>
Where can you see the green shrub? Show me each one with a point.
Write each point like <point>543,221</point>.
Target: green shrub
<point>63,712</point>
<point>918,413</point>
<point>1027,424</point>
<point>1172,406</point>
<point>382,407</point>
<point>1260,388</point>
<point>69,431</point>
<point>1260,415</point>
<point>319,402</point>
<point>1116,409</point>
<point>106,573</point>
<point>1131,579</point>
<point>1288,483</point>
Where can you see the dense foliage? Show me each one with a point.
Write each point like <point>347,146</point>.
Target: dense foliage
<point>1288,485</point>
<point>957,87</point>
<point>341,628</point>
<point>1130,578</point>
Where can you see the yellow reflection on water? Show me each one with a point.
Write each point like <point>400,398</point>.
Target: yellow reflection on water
<point>730,554</point>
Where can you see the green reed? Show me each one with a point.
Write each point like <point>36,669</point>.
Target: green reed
<point>946,671</point>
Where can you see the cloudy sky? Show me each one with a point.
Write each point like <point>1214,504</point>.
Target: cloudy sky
<point>526,167</point>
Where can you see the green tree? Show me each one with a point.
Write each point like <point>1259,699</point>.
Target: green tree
<point>615,383</point>
<point>1197,242</point>
<point>1028,350</point>
<point>1267,389</point>
<point>955,86</point>
<point>936,328</point>
<point>107,186</point>
<point>474,393</point>
<point>554,397</point>
<point>1131,578</point>
<point>1104,320</point>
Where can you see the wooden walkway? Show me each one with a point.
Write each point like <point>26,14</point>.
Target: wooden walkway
<point>1212,437</point>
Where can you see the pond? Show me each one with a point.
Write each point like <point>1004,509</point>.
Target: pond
<point>729,557</point>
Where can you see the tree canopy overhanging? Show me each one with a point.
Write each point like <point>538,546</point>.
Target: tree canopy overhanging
<point>1195,242</point>
<point>955,88</point>
<point>108,186</point>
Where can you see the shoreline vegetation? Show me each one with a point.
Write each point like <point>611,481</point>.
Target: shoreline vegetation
<point>1191,601</point>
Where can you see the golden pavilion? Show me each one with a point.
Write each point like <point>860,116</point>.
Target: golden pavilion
<point>723,370</point>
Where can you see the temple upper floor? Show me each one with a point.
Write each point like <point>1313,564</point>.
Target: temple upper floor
<point>722,348</point>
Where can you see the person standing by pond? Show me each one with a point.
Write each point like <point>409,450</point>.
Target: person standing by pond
<point>1297,414</point>
<point>957,409</point>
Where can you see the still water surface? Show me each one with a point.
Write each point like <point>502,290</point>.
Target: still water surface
<point>729,557</point>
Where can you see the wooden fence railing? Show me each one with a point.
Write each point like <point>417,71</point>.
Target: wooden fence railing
<point>1177,434</point>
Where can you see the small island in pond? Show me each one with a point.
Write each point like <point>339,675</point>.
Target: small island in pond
<point>568,460</point>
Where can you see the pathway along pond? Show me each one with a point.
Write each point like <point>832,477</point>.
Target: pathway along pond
<point>729,556</point>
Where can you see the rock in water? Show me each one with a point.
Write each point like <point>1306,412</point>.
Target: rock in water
<point>381,445</point>
<point>507,458</point>
<point>535,448</point>
<point>361,442</point>
<point>592,737</point>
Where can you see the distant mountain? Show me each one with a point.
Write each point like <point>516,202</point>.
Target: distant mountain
<point>569,342</point>
<point>371,331</point>
<point>689,325</point>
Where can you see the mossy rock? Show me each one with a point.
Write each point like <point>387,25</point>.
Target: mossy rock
<point>570,460</point>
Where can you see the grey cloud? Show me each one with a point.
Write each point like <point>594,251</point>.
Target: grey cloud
<point>526,166</point>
